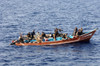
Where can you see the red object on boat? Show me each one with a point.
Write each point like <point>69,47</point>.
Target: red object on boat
<point>13,41</point>
<point>46,39</point>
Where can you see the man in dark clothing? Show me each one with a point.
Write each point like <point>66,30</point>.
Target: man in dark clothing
<point>43,35</point>
<point>29,36</point>
<point>80,31</point>
<point>75,31</point>
<point>56,32</point>
<point>32,34</point>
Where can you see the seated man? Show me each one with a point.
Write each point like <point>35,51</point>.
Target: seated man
<point>29,36</point>
<point>65,36</point>
<point>21,38</point>
<point>43,35</point>
<point>80,32</point>
<point>39,40</point>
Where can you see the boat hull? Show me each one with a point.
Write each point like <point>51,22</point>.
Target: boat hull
<point>83,38</point>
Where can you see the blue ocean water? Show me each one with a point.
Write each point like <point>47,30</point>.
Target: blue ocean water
<point>44,15</point>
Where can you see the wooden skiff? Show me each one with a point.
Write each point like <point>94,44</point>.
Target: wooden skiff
<point>82,38</point>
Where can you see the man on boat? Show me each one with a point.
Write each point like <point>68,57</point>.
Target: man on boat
<point>38,37</point>
<point>50,35</point>
<point>75,31</point>
<point>32,34</point>
<point>80,32</point>
<point>56,33</point>
<point>21,38</point>
<point>29,36</point>
<point>39,40</point>
<point>43,35</point>
<point>65,36</point>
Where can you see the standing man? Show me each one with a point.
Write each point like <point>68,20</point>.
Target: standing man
<point>32,34</point>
